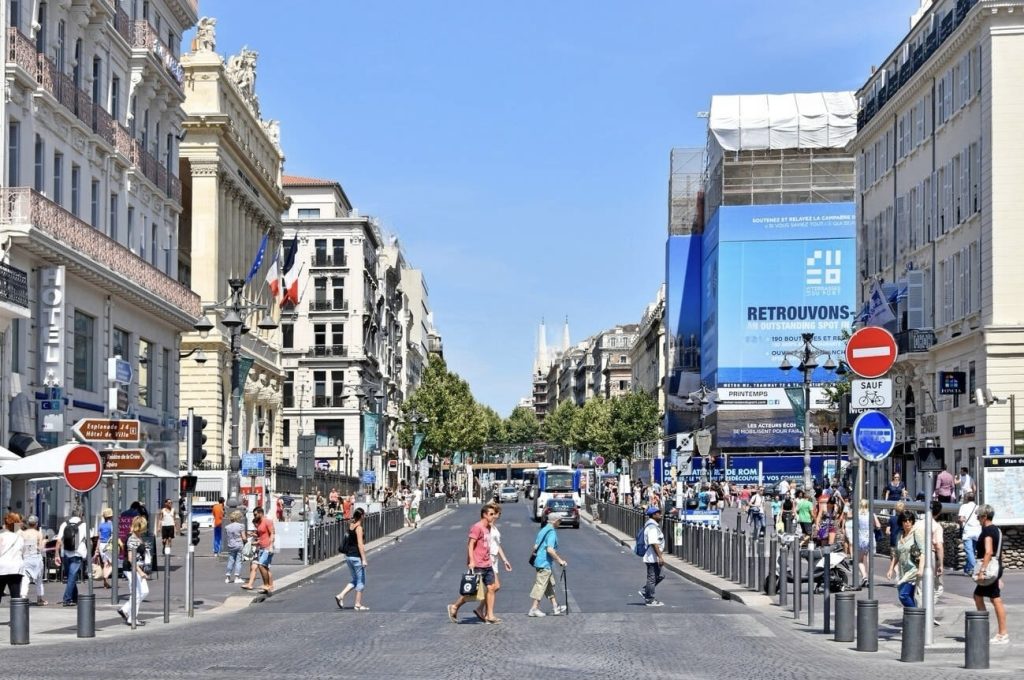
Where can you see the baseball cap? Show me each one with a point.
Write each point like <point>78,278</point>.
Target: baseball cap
<point>556,516</point>
<point>652,510</point>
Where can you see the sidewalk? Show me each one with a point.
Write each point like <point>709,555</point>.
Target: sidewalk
<point>948,648</point>
<point>56,624</point>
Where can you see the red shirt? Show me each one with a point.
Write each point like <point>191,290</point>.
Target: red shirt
<point>482,550</point>
<point>346,509</point>
<point>263,532</point>
<point>218,514</point>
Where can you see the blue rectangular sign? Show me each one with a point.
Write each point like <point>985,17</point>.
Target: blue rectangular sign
<point>996,450</point>
<point>769,274</point>
<point>369,477</point>
<point>743,469</point>
<point>252,464</point>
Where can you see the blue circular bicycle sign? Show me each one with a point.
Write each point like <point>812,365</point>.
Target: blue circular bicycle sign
<point>874,436</point>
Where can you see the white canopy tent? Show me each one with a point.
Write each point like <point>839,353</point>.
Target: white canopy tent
<point>7,455</point>
<point>50,464</point>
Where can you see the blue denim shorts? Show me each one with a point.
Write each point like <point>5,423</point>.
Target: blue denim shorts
<point>265,557</point>
<point>358,571</point>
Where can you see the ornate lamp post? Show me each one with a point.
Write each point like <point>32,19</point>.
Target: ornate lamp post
<point>807,357</point>
<point>233,312</point>
<point>702,397</point>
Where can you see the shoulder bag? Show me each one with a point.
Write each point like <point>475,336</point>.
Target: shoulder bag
<point>469,583</point>
<point>991,572</point>
<point>533,553</point>
<point>964,525</point>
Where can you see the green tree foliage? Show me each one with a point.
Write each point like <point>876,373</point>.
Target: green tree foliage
<point>455,422</point>
<point>522,426</point>
<point>634,418</point>
<point>557,426</point>
<point>495,431</point>
<point>592,428</point>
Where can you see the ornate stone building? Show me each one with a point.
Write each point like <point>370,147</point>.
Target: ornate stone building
<point>231,169</point>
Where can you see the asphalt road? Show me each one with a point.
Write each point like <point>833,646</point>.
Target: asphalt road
<point>608,634</point>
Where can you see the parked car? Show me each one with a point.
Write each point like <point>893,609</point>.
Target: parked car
<point>566,506</point>
<point>509,494</point>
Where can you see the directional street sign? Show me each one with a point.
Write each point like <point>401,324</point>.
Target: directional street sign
<point>83,468</point>
<point>873,436</point>
<point>106,430</point>
<point>125,460</point>
<point>119,370</point>
<point>871,352</point>
<point>875,393</point>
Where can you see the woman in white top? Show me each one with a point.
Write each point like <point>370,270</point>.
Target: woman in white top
<point>168,523</point>
<point>11,560</point>
<point>32,556</point>
<point>496,551</point>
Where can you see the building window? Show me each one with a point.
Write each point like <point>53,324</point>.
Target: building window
<point>319,334</point>
<point>165,388</point>
<point>319,250</point>
<point>15,346</point>
<point>319,387</point>
<point>972,382</point>
<point>156,244</point>
<point>287,336</point>
<point>623,385</point>
<point>623,359</point>
<point>320,290</point>
<point>94,213</point>
<point>115,98</point>
<point>122,343</point>
<point>329,432</point>
<point>41,33</point>
<point>286,432</point>
<point>85,352</point>
<point>40,165</point>
<point>309,213</point>
<point>338,292</point>
<point>113,217</point>
<point>14,19</point>
<point>130,236</point>
<point>58,178</point>
<point>145,373</point>
<point>339,251</point>
<point>337,334</point>
<point>13,153</point>
<point>288,390</point>
<point>338,387</point>
<point>76,183</point>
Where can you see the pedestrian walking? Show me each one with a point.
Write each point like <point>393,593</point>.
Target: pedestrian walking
<point>908,559</point>
<point>265,544</point>
<point>970,530</point>
<point>32,558</point>
<point>546,550</point>
<point>654,558</point>
<point>481,611</point>
<point>71,553</point>
<point>168,523</point>
<point>332,500</point>
<point>414,507</point>
<point>896,490</point>
<point>235,536</point>
<point>938,545</point>
<point>945,486</point>
<point>866,523</point>
<point>966,484</point>
<point>137,550</point>
<point>894,525</point>
<point>346,506</point>
<point>989,547</point>
<point>478,550</point>
<point>12,550</point>
<point>218,519</point>
<point>355,557</point>
<point>804,507</point>
<point>755,512</point>
<point>105,537</point>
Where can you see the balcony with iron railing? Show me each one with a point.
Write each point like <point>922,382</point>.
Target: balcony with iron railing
<point>327,351</point>
<point>13,286</point>
<point>328,305</point>
<point>76,240</point>
<point>326,401</point>
<point>145,37</point>
<point>323,260</point>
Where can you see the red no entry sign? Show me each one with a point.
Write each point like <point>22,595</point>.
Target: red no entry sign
<point>871,352</point>
<point>83,468</point>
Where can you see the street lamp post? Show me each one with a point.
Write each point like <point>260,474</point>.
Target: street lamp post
<point>416,418</point>
<point>807,355</point>
<point>233,311</point>
<point>704,396</point>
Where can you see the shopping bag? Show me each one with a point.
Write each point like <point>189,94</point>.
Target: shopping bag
<point>481,590</point>
<point>469,583</point>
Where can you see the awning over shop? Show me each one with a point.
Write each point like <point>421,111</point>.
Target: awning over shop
<point>50,464</point>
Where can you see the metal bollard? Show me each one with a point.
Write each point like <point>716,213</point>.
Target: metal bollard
<point>782,566</point>
<point>86,615</point>
<point>752,564</point>
<point>912,647</point>
<point>975,634</point>
<point>20,628</point>
<point>797,591</point>
<point>826,596</point>
<point>721,553</point>
<point>867,625</point>
<point>760,585</point>
<point>810,588</point>
<point>773,561</point>
<point>167,585</point>
<point>844,617</point>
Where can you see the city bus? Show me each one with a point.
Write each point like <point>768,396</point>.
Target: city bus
<point>555,481</point>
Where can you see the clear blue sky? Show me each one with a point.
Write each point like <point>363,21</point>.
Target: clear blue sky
<point>520,149</point>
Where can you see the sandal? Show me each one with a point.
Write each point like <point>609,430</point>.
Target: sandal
<point>493,621</point>
<point>340,601</point>
<point>361,608</point>
<point>483,619</point>
<point>246,587</point>
<point>452,614</point>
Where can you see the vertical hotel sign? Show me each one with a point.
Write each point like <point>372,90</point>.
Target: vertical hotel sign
<point>52,345</point>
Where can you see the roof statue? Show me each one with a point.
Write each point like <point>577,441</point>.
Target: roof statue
<point>273,130</point>
<point>242,72</point>
<point>206,36</point>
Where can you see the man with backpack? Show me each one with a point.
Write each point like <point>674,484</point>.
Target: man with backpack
<point>650,543</point>
<point>72,552</point>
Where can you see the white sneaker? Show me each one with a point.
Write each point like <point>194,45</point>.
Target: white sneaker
<point>655,603</point>
<point>1000,640</point>
<point>559,610</point>
<point>239,580</point>
<point>227,579</point>
<point>536,613</point>
<point>642,594</point>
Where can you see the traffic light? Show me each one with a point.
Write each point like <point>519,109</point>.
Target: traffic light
<point>187,484</point>
<point>195,532</point>
<point>198,424</point>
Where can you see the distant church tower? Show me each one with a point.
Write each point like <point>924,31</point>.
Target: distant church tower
<point>565,336</point>
<point>540,362</point>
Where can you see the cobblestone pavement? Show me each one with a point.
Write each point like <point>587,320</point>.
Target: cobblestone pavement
<point>406,634</point>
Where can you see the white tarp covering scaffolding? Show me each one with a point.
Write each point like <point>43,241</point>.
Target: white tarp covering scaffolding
<point>747,122</point>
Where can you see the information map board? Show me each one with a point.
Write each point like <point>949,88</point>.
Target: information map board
<point>1003,483</point>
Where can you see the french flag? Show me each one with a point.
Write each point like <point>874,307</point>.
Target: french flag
<point>274,280</point>
<point>291,268</point>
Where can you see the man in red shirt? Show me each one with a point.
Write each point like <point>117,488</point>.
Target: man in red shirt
<point>478,550</point>
<point>346,507</point>
<point>265,555</point>
<point>218,519</point>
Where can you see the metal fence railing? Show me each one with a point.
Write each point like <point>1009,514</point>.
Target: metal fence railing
<point>324,538</point>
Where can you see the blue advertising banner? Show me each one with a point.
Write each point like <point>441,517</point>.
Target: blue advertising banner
<point>370,431</point>
<point>744,469</point>
<point>771,273</point>
<point>682,319</point>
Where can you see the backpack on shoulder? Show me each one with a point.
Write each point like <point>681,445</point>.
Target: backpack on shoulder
<point>69,539</point>
<point>640,546</point>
